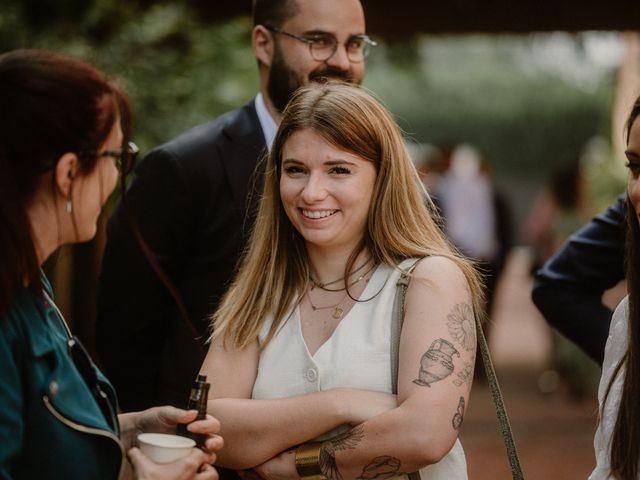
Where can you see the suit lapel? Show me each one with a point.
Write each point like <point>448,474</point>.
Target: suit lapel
<point>241,153</point>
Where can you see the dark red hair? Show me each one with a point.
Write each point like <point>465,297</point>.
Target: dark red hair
<point>51,104</point>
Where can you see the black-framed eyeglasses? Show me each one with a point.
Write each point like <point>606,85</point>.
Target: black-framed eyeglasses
<point>125,157</point>
<point>322,46</point>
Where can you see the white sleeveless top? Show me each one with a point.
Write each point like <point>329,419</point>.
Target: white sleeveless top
<point>357,355</point>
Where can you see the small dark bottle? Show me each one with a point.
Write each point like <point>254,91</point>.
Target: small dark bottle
<point>197,401</point>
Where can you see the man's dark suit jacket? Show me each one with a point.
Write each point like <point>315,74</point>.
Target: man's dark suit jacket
<point>568,288</point>
<point>189,200</point>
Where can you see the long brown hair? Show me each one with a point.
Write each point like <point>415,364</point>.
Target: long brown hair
<point>51,104</point>
<point>625,443</point>
<point>274,270</point>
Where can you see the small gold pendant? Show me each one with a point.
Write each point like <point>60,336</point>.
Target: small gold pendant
<point>337,312</point>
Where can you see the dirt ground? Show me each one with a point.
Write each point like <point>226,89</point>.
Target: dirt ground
<point>553,433</point>
<point>553,429</point>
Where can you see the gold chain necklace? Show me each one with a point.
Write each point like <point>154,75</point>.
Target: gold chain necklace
<point>337,311</point>
<point>322,285</point>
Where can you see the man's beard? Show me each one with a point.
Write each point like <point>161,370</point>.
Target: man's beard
<point>283,81</point>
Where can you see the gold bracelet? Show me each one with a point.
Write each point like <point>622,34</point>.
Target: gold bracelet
<point>308,461</point>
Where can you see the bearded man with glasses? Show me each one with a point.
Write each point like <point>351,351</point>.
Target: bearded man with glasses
<point>193,201</point>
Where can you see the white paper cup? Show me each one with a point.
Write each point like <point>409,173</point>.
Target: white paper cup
<point>163,447</point>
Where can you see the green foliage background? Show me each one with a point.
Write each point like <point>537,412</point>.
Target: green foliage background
<point>177,71</point>
<point>473,89</point>
<point>181,71</point>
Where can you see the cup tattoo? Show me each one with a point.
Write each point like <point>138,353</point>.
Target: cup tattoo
<point>436,363</point>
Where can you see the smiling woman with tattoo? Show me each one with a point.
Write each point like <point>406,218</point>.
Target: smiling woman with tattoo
<point>301,358</point>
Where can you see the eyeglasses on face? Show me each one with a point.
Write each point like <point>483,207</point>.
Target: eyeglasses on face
<point>125,157</point>
<point>322,46</point>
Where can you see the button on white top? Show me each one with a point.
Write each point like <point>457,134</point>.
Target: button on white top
<point>311,375</point>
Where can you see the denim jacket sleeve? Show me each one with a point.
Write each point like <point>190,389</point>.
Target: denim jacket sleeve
<point>11,399</point>
<point>568,288</point>
<point>51,425</point>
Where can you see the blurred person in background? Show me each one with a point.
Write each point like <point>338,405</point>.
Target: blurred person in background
<point>560,209</point>
<point>568,289</point>
<point>617,439</point>
<point>194,200</point>
<point>475,214</point>
<point>64,132</point>
<point>432,164</point>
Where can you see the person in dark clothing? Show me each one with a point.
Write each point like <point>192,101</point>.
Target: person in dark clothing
<point>192,202</point>
<point>568,288</point>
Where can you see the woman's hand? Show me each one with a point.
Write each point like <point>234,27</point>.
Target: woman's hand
<point>165,420</point>
<point>280,467</point>
<point>196,465</point>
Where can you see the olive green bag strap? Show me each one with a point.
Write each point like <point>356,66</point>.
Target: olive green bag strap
<point>501,412</point>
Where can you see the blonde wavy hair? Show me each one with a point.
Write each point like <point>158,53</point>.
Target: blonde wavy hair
<point>274,271</point>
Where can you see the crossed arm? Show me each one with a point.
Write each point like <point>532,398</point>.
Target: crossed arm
<point>388,434</point>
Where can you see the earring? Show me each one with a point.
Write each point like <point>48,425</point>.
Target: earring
<point>69,202</point>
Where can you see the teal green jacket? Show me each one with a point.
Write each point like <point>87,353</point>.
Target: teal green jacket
<point>51,425</point>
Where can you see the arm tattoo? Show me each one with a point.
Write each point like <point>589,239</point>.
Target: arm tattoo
<point>464,376</point>
<point>328,464</point>
<point>436,363</point>
<point>461,327</point>
<point>381,468</point>
<point>456,421</point>
<point>347,441</point>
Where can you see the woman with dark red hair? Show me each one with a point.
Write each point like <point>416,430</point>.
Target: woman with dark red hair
<point>64,134</point>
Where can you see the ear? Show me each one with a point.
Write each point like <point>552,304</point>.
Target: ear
<point>66,170</point>
<point>262,43</point>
